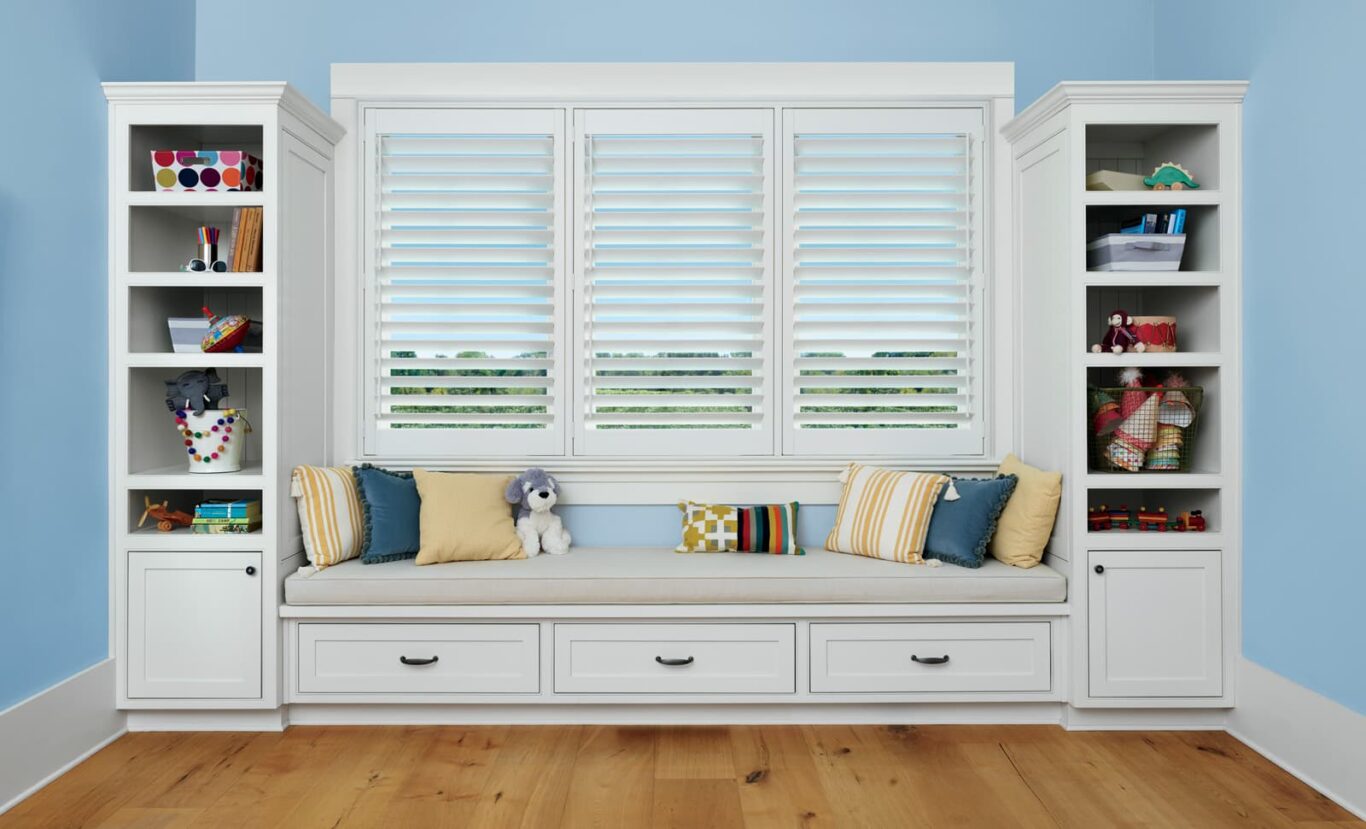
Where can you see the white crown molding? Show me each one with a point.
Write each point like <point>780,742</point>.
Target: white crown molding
<point>269,93</point>
<point>1067,93</point>
<point>513,82</point>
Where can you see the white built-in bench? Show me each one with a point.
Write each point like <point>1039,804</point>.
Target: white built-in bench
<point>653,626</point>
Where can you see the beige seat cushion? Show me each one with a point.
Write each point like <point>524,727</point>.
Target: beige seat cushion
<point>659,576</point>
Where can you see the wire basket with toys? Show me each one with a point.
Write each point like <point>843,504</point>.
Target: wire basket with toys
<point>1141,426</point>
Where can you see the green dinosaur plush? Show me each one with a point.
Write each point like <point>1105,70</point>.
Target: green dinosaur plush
<point>1170,176</point>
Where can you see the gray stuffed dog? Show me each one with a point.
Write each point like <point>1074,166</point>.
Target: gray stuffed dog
<point>539,528</point>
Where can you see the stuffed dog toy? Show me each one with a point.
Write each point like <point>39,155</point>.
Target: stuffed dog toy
<point>539,528</point>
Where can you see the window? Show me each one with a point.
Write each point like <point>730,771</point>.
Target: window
<point>673,282</point>
<point>463,307</point>
<point>676,281</point>
<point>883,280</point>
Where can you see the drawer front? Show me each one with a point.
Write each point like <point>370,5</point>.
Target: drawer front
<point>675,659</point>
<point>910,657</point>
<point>419,659</point>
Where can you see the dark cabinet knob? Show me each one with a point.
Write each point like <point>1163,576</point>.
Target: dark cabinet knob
<point>1100,568</point>
<point>251,571</point>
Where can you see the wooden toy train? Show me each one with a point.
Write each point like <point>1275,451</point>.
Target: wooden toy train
<point>1102,518</point>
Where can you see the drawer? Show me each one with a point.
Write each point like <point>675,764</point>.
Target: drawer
<point>910,657</point>
<point>675,659</point>
<point>419,659</point>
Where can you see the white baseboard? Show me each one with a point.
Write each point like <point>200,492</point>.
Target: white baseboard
<point>1145,719</point>
<point>1314,738</point>
<point>1012,713</point>
<point>275,719</point>
<point>57,728</point>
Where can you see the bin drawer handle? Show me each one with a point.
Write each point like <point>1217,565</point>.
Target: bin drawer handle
<point>418,661</point>
<point>673,662</point>
<point>1146,246</point>
<point>930,660</point>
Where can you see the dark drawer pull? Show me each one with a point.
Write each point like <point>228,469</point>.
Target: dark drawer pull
<point>661,660</point>
<point>406,661</point>
<point>930,660</point>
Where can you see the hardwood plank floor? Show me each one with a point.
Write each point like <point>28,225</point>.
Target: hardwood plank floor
<point>681,776</point>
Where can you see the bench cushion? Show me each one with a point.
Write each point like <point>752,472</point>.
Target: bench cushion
<point>656,576</point>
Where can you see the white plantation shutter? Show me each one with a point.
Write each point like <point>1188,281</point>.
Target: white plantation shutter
<point>465,282</point>
<point>675,282</point>
<point>883,272</point>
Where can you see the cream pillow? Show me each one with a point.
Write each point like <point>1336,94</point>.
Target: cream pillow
<point>884,513</point>
<point>329,513</point>
<point>464,517</point>
<point>1025,524</point>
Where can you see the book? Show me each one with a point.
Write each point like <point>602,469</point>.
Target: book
<point>253,250</point>
<point>1114,180</point>
<point>242,509</point>
<point>255,520</point>
<point>231,248</point>
<point>225,529</point>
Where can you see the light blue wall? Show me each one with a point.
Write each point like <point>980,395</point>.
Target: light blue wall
<point>53,319</point>
<point>1304,558</point>
<point>1049,40</point>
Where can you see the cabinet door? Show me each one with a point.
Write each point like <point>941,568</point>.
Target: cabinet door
<point>194,625</point>
<point>1156,624</point>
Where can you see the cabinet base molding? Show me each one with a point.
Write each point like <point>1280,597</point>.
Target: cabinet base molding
<point>275,719</point>
<point>1141,719</point>
<point>1006,713</point>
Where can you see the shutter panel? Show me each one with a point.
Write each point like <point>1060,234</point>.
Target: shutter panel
<point>675,267</point>
<point>883,277</point>
<point>466,282</point>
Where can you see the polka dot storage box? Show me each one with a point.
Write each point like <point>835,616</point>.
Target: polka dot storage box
<point>201,170</point>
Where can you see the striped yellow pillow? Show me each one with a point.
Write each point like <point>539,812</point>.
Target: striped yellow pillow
<point>329,513</point>
<point>884,513</point>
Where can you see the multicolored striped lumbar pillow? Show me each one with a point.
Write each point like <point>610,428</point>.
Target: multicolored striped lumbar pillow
<point>719,528</point>
<point>884,513</point>
<point>329,513</point>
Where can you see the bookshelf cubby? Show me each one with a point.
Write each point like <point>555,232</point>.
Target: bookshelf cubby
<point>153,233</point>
<point>1193,577</point>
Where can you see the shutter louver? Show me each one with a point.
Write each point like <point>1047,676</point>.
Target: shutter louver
<point>884,268</point>
<point>466,277</point>
<point>676,265</point>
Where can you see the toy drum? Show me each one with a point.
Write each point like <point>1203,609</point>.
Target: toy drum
<point>1156,333</point>
<point>214,440</point>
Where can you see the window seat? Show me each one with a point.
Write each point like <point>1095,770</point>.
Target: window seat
<point>661,576</point>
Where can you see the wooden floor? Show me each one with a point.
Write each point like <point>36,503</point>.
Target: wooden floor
<point>713,777</point>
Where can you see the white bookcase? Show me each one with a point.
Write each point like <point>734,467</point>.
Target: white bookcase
<point>194,617</point>
<point>1155,615</point>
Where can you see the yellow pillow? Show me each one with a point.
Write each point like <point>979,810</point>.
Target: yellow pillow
<point>329,513</point>
<point>884,513</point>
<point>1025,524</point>
<point>464,517</point>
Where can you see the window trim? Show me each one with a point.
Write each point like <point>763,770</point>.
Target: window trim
<point>360,88</point>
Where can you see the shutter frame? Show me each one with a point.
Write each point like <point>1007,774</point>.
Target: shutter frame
<point>883,158</point>
<point>503,291</point>
<point>713,253</point>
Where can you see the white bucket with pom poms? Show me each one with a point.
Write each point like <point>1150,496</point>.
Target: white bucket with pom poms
<point>214,439</point>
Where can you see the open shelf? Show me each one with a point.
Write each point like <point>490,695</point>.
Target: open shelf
<point>1202,230</point>
<point>149,307</point>
<point>1152,279</point>
<point>178,476</point>
<point>1196,309</point>
<point>148,537</point>
<point>1204,442</point>
<point>1177,359</point>
<point>1138,148</point>
<point>155,448</point>
<point>1152,198</point>
<point>1154,541</point>
<point>162,235</point>
<point>144,138</point>
<point>184,362</point>
<point>1154,480</point>
<point>1175,501</point>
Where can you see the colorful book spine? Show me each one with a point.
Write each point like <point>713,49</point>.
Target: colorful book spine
<point>225,529</point>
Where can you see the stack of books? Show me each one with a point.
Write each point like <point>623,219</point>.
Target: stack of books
<point>1173,222</point>
<point>223,517</point>
<point>244,240</point>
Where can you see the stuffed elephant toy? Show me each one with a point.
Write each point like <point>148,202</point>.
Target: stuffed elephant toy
<point>195,390</point>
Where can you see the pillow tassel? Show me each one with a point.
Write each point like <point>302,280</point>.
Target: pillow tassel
<point>951,494</point>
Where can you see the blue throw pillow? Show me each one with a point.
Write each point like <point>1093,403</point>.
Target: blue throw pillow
<point>389,509</point>
<point>960,530</point>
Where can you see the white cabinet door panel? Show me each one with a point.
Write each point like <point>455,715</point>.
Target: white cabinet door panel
<point>1156,624</point>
